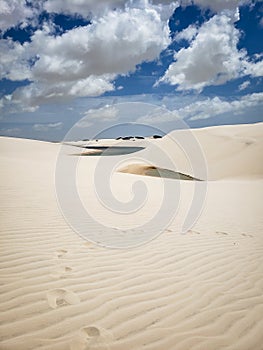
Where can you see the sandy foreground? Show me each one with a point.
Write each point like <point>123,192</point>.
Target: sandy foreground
<point>199,290</point>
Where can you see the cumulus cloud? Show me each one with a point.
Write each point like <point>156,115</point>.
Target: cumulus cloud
<point>216,106</point>
<point>85,61</point>
<point>244,85</point>
<point>212,57</point>
<point>103,114</point>
<point>13,61</point>
<point>216,5</point>
<point>255,69</point>
<point>13,13</point>
<point>88,8</point>
<point>84,123</point>
<point>47,127</point>
<point>204,109</point>
<point>187,34</point>
<point>83,7</point>
<point>19,101</point>
<point>114,43</point>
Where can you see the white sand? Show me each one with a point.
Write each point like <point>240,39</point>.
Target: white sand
<point>201,290</point>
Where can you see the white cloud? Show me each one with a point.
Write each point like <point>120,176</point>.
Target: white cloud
<point>212,57</point>
<point>28,98</point>
<point>83,123</point>
<point>254,69</point>
<point>244,85</point>
<point>158,115</point>
<point>91,86</point>
<point>113,44</point>
<point>103,114</point>
<point>217,5</point>
<point>47,127</point>
<point>19,101</point>
<point>13,13</point>
<point>212,107</point>
<point>82,7</point>
<point>84,61</point>
<point>13,61</point>
<point>187,34</point>
<point>88,8</point>
<point>204,109</point>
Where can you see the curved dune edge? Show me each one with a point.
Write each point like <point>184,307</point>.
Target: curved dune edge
<point>151,170</point>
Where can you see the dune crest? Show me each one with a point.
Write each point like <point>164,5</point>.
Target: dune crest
<point>151,170</point>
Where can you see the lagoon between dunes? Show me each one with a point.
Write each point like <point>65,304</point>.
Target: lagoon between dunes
<point>200,289</point>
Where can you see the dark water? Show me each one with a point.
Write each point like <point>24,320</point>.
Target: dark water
<point>110,151</point>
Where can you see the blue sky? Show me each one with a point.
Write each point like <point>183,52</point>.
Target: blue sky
<point>85,63</point>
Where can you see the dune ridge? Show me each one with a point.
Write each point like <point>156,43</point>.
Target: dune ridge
<point>200,290</point>
<point>232,151</point>
<point>152,170</point>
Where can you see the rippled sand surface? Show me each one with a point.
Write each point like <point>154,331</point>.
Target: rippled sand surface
<point>199,290</point>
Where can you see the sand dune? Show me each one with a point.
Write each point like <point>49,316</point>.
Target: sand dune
<point>232,151</point>
<point>199,290</point>
<point>152,170</point>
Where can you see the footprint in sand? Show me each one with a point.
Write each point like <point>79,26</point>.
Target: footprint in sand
<point>91,337</point>
<point>246,235</point>
<point>60,253</point>
<point>61,297</point>
<point>194,232</point>
<point>90,245</point>
<point>61,271</point>
<point>222,233</point>
<point>168,231</point>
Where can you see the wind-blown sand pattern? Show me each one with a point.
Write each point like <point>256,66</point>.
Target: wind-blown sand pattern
<point>201,290</point>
